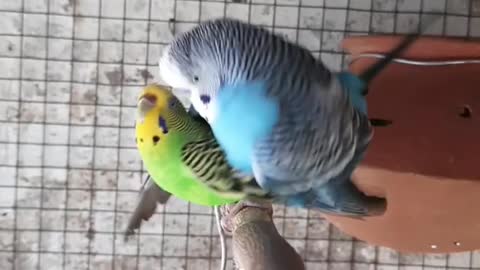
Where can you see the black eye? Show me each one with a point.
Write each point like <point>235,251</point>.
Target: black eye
<point>172,104</point>
<point>195,78</point>
<point>205,99</point>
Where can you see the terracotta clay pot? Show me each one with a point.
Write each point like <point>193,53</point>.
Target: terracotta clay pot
<point>427,162</point>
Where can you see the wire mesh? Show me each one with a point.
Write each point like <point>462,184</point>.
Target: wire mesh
<point>70,73</point>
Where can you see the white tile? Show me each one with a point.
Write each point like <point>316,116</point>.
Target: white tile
<point>475,27</point>
<point>136,31</point>
<point>107,94</point>
<point>409,5</point>
<point>84,72</point>
<point>34,47</point>
<point>11,68</point>
<point>35,5</point>
<point>458,7</point>
<point>286,16</point>
<point>10,46</point>
<point>9,110</point>
<point>57,113</point>
<point>85,50</point>
<point>456,26</point>
<point>110,52</point>
<point>384,5</point>
<point>137,9</point>
<point>382,22</point>
<point>211,10</point>
<point>11,5</point>
<point>135,53</point>
<point>337,3</point>
<point>358,21</point>
<point>55,178</point>
<point>31,133</point>
<point>130,159</point>
<point>311,18</point>
<point>113,8</point>
<point>460,259</point>
<point>237,11</point>
<point>110,74</point>
<point>58,91</point>
<point>9,90</point>
<point>35,24</point>
<point>82,114</point>
<point>33,69</point>
<point>111,29</point>
<point>407,23</point>
<point>187,10</point>
<point>30,155</point>
<point>174,245</point>
<point>310,39</point>
<point>261,15</point>
<point>104,200</point>
<point>106,136</point>
<point>32,112</point>
<point>335,19</point>
<point>106,158</point>
<point>331,41</point>
<point>436,28</point>
<point>60,26</point>
<point>160,32</point>
<point>55,156</point>
<point>60,49</point>
<point>9,132</point>
<point>10,23</point>
<point>81,135</point>
<point>61,6</point>
<point>107,115</point>
<point>87,7</point>
<point>434,5</point>
<point>80,157</point>
<point>86,28</point>
<point>162,9</point>
<point>59,71</point>
<point>361,4</point>
<point>33,91</point>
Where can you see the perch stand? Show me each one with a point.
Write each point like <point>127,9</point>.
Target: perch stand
<point>427,161</point>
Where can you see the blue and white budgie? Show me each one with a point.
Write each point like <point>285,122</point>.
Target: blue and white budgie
<point>278,113</point>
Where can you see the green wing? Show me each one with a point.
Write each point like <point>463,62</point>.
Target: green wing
<point>208,162</point>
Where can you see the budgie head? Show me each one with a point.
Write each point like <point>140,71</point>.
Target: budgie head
<point>158,112</point>
<point>194,61</point>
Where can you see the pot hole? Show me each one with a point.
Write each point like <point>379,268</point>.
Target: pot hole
<point>456,243</point>
<point>378,122</point>
<point>434,246</point>
<point>466,112</point>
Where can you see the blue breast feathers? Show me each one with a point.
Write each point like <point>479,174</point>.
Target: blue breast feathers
<point>354,86</point>
<point>244,115</point>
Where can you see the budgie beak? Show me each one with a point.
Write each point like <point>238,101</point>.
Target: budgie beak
<point>145,104</point>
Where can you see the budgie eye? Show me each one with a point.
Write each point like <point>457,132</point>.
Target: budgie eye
<point>172,104</point>
<point>205,99</point>
<point>195,78</point>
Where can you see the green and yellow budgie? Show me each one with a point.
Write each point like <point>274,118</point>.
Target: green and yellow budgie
<point>181,154</point>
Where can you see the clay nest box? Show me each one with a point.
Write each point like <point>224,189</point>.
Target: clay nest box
<point>426,159</point>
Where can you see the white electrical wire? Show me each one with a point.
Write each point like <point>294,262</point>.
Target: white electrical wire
<point>418,62</point>
<point>223,245</point>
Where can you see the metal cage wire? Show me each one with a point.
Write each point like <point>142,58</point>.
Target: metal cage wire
<point>70,73</point>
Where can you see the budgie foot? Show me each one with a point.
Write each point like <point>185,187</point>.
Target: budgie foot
<point>344,198</point>
<point>229,212</point>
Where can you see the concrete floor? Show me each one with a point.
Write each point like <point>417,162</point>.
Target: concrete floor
<point>70,72</point>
